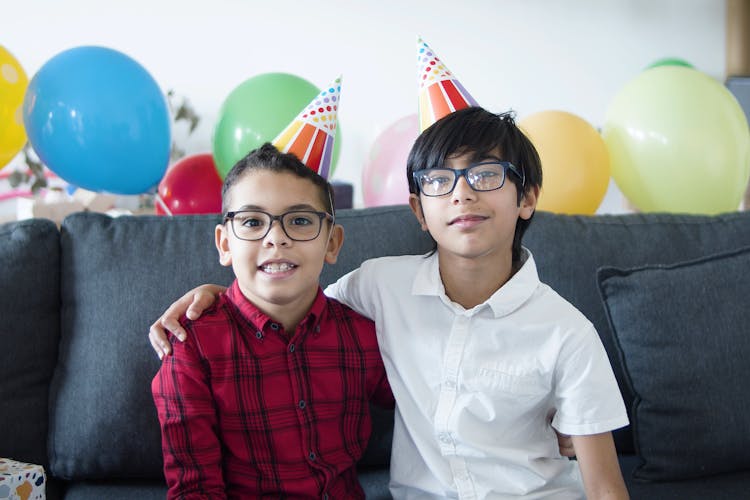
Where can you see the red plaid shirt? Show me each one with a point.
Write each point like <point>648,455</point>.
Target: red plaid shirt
<point>246,411</point>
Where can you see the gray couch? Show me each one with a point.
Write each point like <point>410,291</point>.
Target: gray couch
<point>75,305</point>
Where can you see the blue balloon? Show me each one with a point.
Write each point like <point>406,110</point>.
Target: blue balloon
<point>99,120</point>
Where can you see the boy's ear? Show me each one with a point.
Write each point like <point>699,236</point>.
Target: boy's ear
<point>528,203</point>
<point>335,242</point>
<point>222,244</point>
<point>416,207</point>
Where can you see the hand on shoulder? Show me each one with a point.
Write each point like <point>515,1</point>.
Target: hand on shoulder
<point>192,305</point>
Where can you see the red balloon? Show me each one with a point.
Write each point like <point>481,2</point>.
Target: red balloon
<point>191,185</point>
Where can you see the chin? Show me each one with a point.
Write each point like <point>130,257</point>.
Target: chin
<point>283,297</point>
<point>473,252</point>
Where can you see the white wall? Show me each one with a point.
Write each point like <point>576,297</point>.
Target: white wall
<point>528,55</point>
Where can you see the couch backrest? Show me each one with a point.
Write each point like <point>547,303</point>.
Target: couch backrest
<point>117,276</point>
<point>29,333</point>
<point>376,232</point>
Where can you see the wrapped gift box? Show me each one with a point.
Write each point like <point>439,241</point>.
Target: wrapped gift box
<point>21,481</point>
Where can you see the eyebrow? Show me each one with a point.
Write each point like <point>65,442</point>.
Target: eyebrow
<point>474,160</point>
<point>476,157</point>
<point>488,157</point>
<point>301,206</point>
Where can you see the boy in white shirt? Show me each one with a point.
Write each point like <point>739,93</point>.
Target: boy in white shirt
<point>479,353</point>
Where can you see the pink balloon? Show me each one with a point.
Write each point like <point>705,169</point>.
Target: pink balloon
<point>191,186</point>
<point>384,173</point>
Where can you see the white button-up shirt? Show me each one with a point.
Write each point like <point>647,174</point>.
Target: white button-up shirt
<point>476,389</point>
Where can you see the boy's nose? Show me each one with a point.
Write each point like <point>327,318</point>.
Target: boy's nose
<point>276,235</point>
<point>462,191</point>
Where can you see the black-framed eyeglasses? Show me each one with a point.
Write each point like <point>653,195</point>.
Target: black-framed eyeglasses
<point>298,225</point>
<point>482,176</point>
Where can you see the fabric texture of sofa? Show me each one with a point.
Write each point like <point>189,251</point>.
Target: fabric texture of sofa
<point>667,293</point>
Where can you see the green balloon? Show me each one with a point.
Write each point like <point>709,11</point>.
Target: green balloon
<point>669,61</point>
<point>678,141</point>
<point>256,111</point>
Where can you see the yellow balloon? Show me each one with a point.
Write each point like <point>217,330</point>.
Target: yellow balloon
<point>575,162</point>
<point>13,83</point>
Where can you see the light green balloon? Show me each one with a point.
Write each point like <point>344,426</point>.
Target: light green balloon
<point>678,142</point>
<point>256,111</point>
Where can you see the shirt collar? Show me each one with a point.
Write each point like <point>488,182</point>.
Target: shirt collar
<point>509,297</point>
<point>261,320</point>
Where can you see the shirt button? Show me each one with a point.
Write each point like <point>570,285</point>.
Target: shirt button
<point>444,437</point>
<point>311,456</point>
<point>449,384</point>
<point>259,334</point>
<point>302,404</point>
<point>325,496</point>
<point>317,328</point>
<point>291,348</point>
<point>274,326</point>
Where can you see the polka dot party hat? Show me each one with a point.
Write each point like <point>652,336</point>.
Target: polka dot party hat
<point>440,93</point>
<point>310,135</point>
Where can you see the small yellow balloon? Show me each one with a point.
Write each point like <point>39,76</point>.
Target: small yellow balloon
<point>13,83</point>
<point>575,162</point>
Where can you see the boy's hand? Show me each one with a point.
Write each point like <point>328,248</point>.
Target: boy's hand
<point>192,304</point>
<point>565,443</point>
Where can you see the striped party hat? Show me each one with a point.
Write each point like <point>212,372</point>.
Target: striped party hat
<point>440,93</point>
<point>310,135</point>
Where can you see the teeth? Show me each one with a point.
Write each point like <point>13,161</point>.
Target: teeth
<point>278,267</point>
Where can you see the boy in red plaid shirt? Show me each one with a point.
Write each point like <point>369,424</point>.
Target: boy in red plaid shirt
<point>269,394</point>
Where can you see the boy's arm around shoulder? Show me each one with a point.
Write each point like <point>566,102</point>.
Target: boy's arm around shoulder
<point>192,304</point>
<point>350,290</point>
<point>600,469</point>
<point>357,289</point>
<point>187,415</point>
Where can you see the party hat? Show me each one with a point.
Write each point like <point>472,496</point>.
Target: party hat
<point>440,93</point>
<point>310,135</point>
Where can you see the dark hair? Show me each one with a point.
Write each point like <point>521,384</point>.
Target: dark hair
<point>479,132</point>
<point>267,157</point>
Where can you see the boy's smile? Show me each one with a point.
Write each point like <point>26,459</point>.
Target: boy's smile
<point>277,267</point>
<point>468,220</point>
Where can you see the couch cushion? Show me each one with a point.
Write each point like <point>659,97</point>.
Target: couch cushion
<point>375,483</point>
<point>683,333</point>
<point>730,486</point>
<point>29,334</point>
<point>117,490</point>
<point>118,276</point>
<point>569,249</point>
